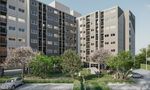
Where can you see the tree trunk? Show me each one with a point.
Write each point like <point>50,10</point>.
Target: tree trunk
<point>23,70</point>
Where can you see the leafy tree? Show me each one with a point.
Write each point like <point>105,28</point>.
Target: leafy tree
<point>71,62</point>
<point>141,57</point>
<point>43,65</point>
<point>19,57</point>
<point>122,63</point>
<point>100,56</point>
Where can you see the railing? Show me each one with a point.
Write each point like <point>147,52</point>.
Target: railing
<point>3,7</point>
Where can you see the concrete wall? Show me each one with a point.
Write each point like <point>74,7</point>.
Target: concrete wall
<point>18,20</point>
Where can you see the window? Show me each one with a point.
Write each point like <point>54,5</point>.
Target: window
<point>56,27</point>
<point>92,36</point>
<point>49,42</point>
<point>49,50</point>
<point>55,12</point>
<point>21,10</point>
<point>92,44</point>
<point>113,34</point>
<point>34,12</point>
<point>106,43</point>
<point>21,40</point>
<point>92,29</point>
<point>21,30</point>
<point>33,3</point>
<point>11,39</point>
<point>34,31</point>
<point>50,34</point>
<point>34,41</point>
<point>56,35</point>
<point>21,20</point>
<point>107,35</point>
<point>49,26</point>
<point>12,7</point>
<point>112,50</point>
<point>11,28</point>
<point>21,1</point>
<point>113,42</point>
<point>34,22</point>
<point>55,43</point>
<point>80,19</point>
<point>12,18</point>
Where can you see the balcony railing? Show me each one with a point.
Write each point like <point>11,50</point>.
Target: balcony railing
<point>3,8</point>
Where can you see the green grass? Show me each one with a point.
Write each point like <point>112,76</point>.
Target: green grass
<point>32,79</point>
<point>101,82</point>
<point>48,80</point>
<point>143,66</point>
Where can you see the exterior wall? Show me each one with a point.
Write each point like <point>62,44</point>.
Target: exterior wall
<point>3,30</point>
<point>51,31</point>
<point>111,29</point>
<point>60,7</point>
<point>89,27</point>
<point>130,32</point>
<point>16,23</point>
<point>37,25</point>
<point>64,8</point>
<point>74,13</point>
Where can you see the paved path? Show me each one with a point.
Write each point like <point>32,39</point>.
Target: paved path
<point>46,87</point>
<point>141,84</point>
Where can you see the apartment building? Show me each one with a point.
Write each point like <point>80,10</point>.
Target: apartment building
<point>52,31</point>
<point>112,29</point>
<point>3,30</point>
<point>38,25</point>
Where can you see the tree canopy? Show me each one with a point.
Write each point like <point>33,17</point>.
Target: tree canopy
<point>71,62</point>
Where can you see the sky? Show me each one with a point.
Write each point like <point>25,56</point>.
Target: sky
<point>140,8</point>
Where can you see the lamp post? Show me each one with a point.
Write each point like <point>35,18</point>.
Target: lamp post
<point>146,58</point>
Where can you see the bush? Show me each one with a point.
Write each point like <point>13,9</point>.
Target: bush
<point>56,80</point>
<point>77,85</point>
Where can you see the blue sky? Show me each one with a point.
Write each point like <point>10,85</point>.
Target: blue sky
<point>140,8</point>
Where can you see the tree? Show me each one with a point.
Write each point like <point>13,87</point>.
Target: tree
<point>71,62</point>
<point>19,57</point>
<point>122,63</point>
<point>43,65</point>
<point>100,56</point>
<point>141,57</point>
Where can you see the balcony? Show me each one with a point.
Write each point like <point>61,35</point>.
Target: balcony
<point>4,20</point>
<point>3,8</point>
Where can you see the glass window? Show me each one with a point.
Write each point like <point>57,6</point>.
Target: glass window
<point>11,28</point>
<point>21,10</point>
<point>12,7</point>
<point>21,30</point>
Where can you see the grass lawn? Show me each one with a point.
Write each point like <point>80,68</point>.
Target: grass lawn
<point>143,66</point>
<point>101,82</point>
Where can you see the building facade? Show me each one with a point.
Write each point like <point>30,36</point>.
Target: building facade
<point>3,29</point>
<point>37,25</point>
<point>111,29</point>
<point>51,31</point>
